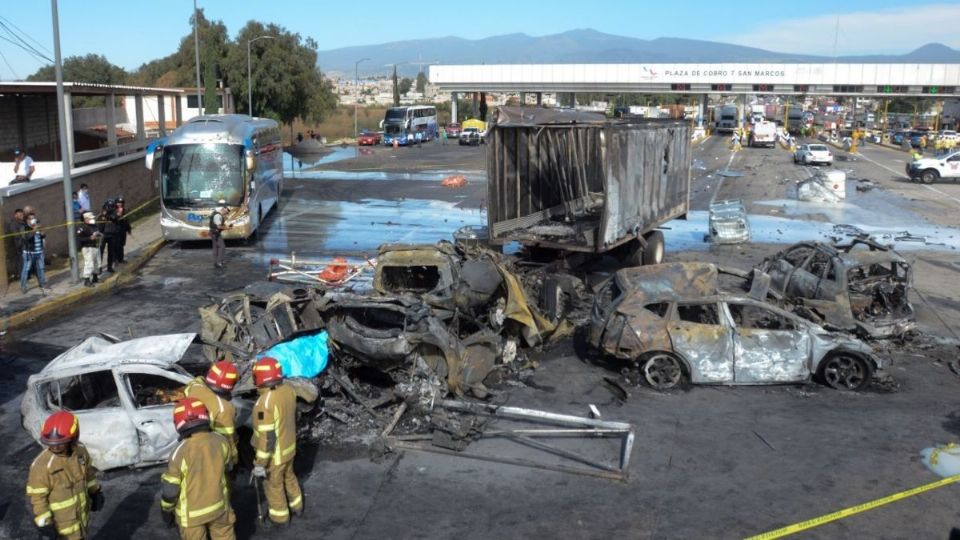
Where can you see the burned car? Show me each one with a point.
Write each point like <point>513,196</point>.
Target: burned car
<point>123,394</point>
<point>674,323</point>
<point>860,287</point>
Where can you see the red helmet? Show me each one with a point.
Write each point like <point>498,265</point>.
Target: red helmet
<point>190,413</point>
<point>59,428</point>
<point>222,376</point>
<point>267,370</point>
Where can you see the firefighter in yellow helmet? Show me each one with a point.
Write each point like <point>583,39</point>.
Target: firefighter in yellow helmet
<point>275,441</point>
<point>62,485</point>
<point>214,392</point>
<point>194,487</point>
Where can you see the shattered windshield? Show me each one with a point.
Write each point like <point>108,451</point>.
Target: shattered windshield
<point>199,175</point>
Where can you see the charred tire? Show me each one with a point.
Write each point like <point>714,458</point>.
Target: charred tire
<point>662,371</point>
<point>846,371</point>
<point>929,176</point>
<point>654,250</point>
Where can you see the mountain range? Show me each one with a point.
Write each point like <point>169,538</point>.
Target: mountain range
<point>585,46</point>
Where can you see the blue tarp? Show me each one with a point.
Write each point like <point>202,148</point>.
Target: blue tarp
<point>305,356</point>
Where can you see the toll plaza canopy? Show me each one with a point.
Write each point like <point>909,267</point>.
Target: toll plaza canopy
<point>785,79</point>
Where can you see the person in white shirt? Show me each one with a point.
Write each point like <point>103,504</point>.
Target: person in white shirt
<point>23,167</point>
<point>83,196</point>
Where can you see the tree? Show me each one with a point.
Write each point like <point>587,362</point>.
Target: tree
<point>396,88</point>
<point>286,81</point>
<point>92,68</point>
<point>421,82</point>
<point>179,68</point>
<point>405,85</point>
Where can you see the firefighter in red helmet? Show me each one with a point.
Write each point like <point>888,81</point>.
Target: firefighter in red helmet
<point>194,487</point>
<point>62,485</point>
<point>214,391</point>
<point>275,441</point>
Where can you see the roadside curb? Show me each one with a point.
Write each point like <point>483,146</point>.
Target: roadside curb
<point>45,309</point>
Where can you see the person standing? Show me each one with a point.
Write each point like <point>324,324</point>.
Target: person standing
<point>62,484</point>
<point>193,490</point>
<point>275,441</point>
<point>88,240</point>
<point>23,167</point>
<point>108,226</point>
<point>124,229</point>
<point>32,244</point>
<point>15,232</point>
<point>218,224</point>
<point>214,391</point>
<point>83,196</point>
<point>77,210</point>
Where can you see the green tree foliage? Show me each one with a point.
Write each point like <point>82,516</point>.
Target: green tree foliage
<point>421,85</point>
<point>283,71</point>
<point>405,85</point>
<point>92,68</point>
<point>179,68</point>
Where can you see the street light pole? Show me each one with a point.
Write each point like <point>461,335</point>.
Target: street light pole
<point>65,145</point>
<point>249,75</point>
<point>356,83</point>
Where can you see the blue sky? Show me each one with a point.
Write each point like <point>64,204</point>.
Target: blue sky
<point>131,32</point>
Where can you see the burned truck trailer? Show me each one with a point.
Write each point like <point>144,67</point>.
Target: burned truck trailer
<point>577,182</point>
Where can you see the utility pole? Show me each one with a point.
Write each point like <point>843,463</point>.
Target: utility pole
<point>196,50</point>
<point>356,85</point>
<point>64,145</point>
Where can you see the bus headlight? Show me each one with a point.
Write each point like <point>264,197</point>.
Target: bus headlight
<point>241,221</point>
<point>168,222</point>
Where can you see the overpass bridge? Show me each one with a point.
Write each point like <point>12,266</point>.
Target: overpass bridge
<point>780,79</point>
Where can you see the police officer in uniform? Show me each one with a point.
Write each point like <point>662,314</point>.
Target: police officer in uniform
<point>62,486</point>
<point>218,224</point>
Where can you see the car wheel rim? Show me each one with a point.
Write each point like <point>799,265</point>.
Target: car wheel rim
<point>844,372</point>
<point>662,372</point>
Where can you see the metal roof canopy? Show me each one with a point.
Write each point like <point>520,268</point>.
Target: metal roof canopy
<point>85,89</point>
<point>734,78</point>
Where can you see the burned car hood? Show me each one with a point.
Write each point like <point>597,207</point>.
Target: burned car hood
<point>162,351</point>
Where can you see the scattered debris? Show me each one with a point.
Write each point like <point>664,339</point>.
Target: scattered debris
<point>829,187</point>
<point>864,185</point>
<point>728,222</point>
<point>333,273</point>
<point>455,181</point>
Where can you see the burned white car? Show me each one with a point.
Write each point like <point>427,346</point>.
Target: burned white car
<point>674,324</point>
<point>860,287</point>
<point>123,394</point>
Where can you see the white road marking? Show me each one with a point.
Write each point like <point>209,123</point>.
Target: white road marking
<point>902,175</point>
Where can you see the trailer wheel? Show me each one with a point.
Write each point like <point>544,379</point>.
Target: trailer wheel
<point>653,252</point>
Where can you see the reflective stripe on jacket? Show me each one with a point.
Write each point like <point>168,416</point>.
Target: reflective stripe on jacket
<point>275,425</point>
<point>222,412</point>
<point>194,485</point>
<point>59,488</point>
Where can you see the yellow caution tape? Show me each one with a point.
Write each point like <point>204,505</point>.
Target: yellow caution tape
<point>846,512</point>
<point>70,223</point>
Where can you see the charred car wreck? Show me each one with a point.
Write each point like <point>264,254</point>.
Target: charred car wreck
<point>673,323</point>
<point>860,287</point>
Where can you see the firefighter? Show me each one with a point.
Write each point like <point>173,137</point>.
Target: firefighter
<point>62,485</point>
<point>214,392</point>
<point>194,487</point>
<point>275,441</point>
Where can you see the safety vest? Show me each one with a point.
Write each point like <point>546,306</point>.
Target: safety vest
<point>275,425</point>
<point>59,488</point>
<point>194,485</point>
<point>222,412</point>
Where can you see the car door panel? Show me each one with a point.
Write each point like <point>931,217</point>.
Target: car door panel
<point>109,436</point>
<point>155,432</point>
<point>708,348</point>
<point>771,351</point>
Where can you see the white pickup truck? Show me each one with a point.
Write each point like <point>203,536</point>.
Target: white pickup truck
<point>764,134</point>
<point>929,170</point>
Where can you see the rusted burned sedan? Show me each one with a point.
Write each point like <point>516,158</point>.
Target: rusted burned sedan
<point>860,287</point>
<point>674,323</point>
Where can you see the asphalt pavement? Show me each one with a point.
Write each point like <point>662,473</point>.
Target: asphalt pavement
<point>715,462</point>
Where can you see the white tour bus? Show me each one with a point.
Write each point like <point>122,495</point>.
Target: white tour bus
<point>405,124</point>
<point>230,157</point>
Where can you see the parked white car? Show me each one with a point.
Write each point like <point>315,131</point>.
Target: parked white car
<point>813,154</point>
<point>123,394</point>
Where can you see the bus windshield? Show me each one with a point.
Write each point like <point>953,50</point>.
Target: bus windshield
<point>396,114</point>
<point>393,128</point>
<point>199,175</point>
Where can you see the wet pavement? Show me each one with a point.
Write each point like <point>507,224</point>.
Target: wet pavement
<point>782,453</point>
